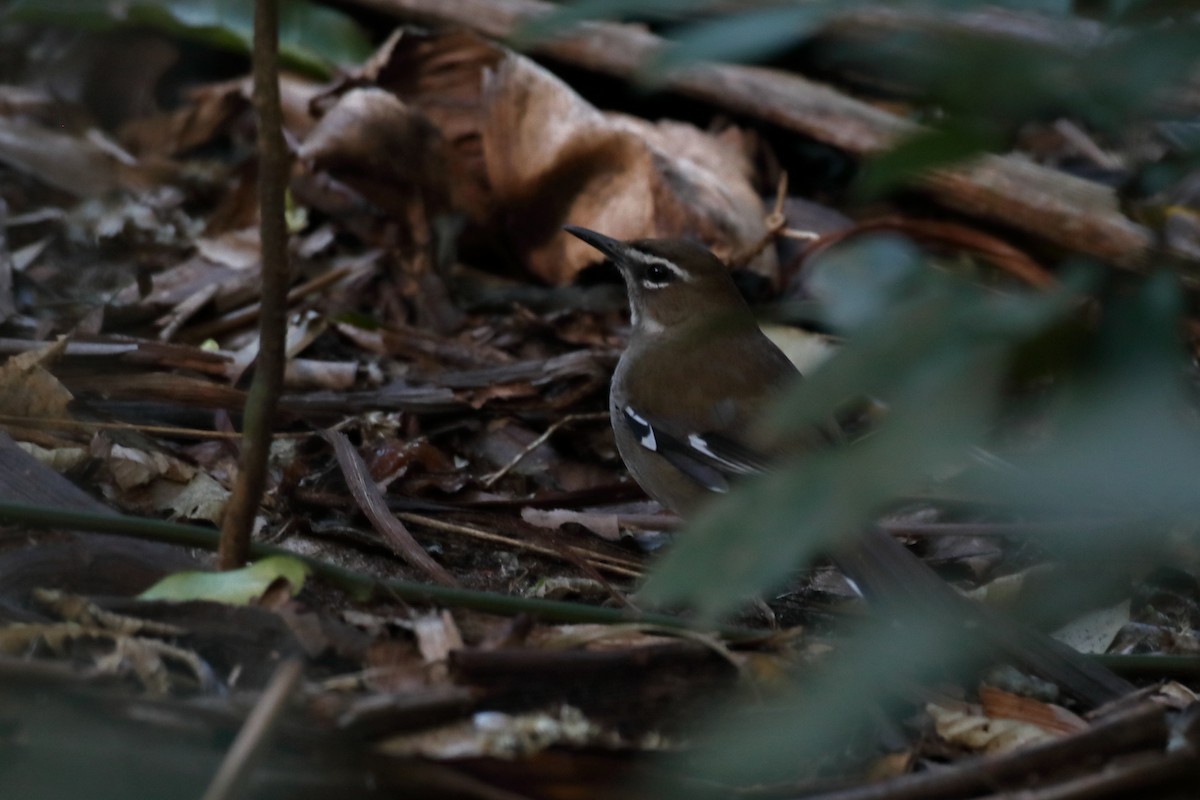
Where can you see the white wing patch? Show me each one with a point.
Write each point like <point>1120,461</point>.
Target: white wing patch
<point>642,429</point>
<point>700,445</point>
<point>696,442</point>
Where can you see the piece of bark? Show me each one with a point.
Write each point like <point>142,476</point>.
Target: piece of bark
<point>1067,211</point>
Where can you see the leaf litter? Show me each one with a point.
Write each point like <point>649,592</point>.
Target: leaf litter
<point>442,330</point>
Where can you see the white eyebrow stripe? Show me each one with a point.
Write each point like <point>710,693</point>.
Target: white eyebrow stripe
<point>648,259</point>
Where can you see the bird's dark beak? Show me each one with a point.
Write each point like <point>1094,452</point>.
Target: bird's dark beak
<point>613,248</point>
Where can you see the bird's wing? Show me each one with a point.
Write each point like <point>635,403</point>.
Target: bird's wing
<point>709,458</point>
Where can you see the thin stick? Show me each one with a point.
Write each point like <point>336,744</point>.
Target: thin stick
<point>246,315</point>
<point>612,564</point>
<point>66,423</point>
<point>247,748</point>
<point>358,585</point>
<point>264,392</point>
<point>538,442</point>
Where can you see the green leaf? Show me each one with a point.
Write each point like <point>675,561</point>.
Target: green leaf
<point>568,15</point>
<point>746,36</point>
<point>312,37</point>
<point>785,738</point>
<point>930,149</point>
<point>859,280</point>
<point>1124,442</point>
<point>871,363</point>
<point>235,587</point>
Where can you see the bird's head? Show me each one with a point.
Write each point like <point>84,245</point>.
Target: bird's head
<point>670,281</point>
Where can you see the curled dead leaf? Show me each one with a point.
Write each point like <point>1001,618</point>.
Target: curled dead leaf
<point>553,158</point>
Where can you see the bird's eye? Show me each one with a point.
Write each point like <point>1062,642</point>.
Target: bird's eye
<point>657,273</point>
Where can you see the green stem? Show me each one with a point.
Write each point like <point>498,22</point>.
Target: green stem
<point>351,582</point>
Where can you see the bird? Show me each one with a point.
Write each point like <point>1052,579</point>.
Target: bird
<point>686,403</point>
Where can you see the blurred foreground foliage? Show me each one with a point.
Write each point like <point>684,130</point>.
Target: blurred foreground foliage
<point>313,38</point>
<point>1108,65</point>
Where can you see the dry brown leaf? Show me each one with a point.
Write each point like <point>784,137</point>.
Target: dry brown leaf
<point>552,158</point>
<point>805,349</point>
<point>1002,722</point>
<point>181,282</point>
<point>132,467</point>
<point>1174,694</point>
<point>209,111</point>
<point>951,237</point>
<point>890,765</point>
<point>395,667</point>
<point>999,704</point>
<point>596,637</point>
<point>526,155</point>
<point>212,110</point>
<point>27,389</point>
<point>387,150</point>
<point>82,611</point>
<point>1006,591</point>
<point>146,658</point>
<point>442,75</point>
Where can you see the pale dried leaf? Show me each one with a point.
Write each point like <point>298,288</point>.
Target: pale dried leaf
<point>1006,590</point>
<point>437,636</point>
<point>59,459</point>
<point>201,498</point>
<point>131,467</point>
<point>497,735</point>
<point>1095,631</point>
<point>1176,695</point>
<point>603,525</point>
<point>81,610</point>
<point>970,729</point>
<point>805,349</point>
<point>238,249</point>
